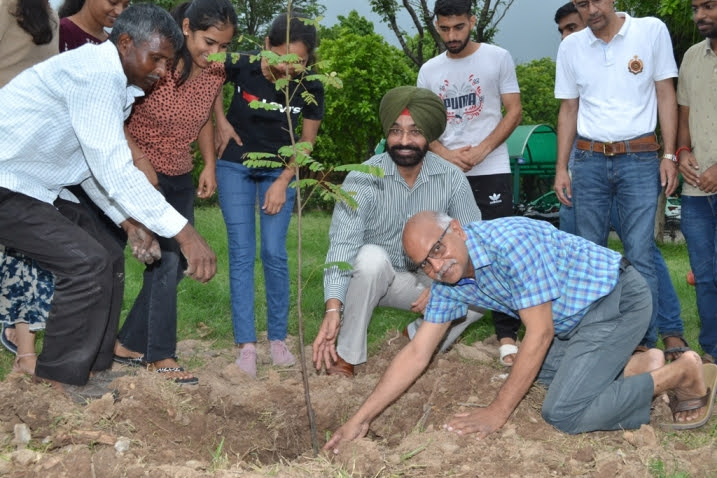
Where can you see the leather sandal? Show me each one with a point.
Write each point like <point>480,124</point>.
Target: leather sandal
<point>673,353</point>
<point>342,368</point>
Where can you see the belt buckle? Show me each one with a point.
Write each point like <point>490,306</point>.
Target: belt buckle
<point>604,149</point>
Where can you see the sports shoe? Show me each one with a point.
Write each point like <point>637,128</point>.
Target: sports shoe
<point>280,354</point>
<point>247,360</point>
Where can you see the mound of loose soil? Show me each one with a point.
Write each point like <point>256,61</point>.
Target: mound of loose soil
<point>231,425</point>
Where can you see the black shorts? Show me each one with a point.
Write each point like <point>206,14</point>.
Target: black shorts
<point>493,194</point>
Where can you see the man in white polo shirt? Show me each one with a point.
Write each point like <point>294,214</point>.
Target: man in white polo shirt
<point>615,78</point>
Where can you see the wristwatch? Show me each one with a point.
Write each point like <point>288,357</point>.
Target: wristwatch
<point>671,157</point>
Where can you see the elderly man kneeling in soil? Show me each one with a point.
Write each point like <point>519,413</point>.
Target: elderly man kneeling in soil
<point>584,307</point>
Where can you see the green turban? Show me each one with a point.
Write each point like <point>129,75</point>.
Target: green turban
<point>425,107</point>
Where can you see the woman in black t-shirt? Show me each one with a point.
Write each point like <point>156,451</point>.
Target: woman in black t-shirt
<point>248,130</point>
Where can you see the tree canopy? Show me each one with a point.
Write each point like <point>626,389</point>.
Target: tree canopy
<point>368,67</point>
<point>425,43</point>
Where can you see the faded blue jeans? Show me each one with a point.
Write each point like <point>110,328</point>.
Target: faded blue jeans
<point>699,226</point>
<point>583,368</point>
<point>632,182</point>
<point>241,190</point>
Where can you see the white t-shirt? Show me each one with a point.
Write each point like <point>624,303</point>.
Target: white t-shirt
<point>615,81</point>
<point>470,88</point>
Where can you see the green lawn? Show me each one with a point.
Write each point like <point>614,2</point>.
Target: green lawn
<point>204,309</point>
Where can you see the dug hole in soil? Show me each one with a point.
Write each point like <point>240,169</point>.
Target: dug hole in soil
<point>231,425</point>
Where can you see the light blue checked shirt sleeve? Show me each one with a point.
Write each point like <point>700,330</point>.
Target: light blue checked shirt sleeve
<point>384,206</point>
<point>62,122</point>
<point>520,263</point>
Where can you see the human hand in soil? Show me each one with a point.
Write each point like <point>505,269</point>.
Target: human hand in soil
<point>145,247</point>
<point>348,432</point>
<point>420,304</point>
<point>482,422</point>
<point>324,346</point>
<point>202,263</point>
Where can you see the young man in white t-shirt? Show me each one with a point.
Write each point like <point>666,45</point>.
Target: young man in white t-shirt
<point>475,80</point>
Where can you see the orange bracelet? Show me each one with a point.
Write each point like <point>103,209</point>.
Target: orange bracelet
<point>679,150</point>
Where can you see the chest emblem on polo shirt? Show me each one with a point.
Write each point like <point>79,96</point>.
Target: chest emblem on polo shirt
<point>635,65</point>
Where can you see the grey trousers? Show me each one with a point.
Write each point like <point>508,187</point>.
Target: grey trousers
<point>374,282</point>
<point>583,370</point>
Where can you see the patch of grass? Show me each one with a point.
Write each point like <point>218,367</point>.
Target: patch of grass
<point>658,469</point>
<point>205,312</point>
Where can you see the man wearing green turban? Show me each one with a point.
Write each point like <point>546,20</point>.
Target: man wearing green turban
<point>369,236</point>
<point>426,109</point>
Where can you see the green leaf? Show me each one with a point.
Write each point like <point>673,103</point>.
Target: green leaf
<point>361,168</point>
<point>263,105</point>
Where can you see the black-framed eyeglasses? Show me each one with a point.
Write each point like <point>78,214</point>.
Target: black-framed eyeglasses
<point>436,252</point>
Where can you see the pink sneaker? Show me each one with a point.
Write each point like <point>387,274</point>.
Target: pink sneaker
<point>280,355</point>
<point>247,359</point>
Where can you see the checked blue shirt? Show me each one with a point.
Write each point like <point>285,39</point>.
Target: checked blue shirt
<point>521,263</point>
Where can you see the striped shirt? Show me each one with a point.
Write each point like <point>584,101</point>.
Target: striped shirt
<point>62,123</point>
<point>521,263</point>
<point>384,206</point>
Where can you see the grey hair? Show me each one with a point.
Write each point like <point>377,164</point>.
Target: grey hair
<point>442,219</point>
<point>143,20</point>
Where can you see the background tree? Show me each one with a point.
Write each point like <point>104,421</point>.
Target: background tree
<point>488,12</point>
<point>256,15</point>
<point>369,67</point>
<point>676,14</point>
<point>537,81</point>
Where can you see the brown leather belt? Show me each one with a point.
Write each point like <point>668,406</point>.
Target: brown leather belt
<point>638,145</point>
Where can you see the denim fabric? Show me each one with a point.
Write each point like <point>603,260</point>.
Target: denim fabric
<point>632,182</point>
<point>669,315</point>
<point>583,370</point>
<point>241,193</point>
<point>699,226</point>
<point>151,325</point>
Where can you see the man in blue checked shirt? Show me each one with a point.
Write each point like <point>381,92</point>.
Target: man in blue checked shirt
<point>584,308</point>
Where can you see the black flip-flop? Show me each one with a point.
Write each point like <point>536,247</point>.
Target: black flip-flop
<point>676,351</point>
<point>130,361</point>
<point>7,343</point>
<point>181,381</point>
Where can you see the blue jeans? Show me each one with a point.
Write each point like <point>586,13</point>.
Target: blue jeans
<point>669,314</point>
<point>583,368</point>
<point>699,226</point>
<point>151,325</point>
<point>632,182</point>
<point>241,190</point>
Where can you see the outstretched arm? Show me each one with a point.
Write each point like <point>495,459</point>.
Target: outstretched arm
<point>401,373</point>
<point>539,334</point>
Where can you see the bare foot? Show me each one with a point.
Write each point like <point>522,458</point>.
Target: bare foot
<point>691,385</point>
<point>645,362</point>
<point>11,334</point>
<point>122,351</point>
<point>25,363</point>
<point>170,363</point>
